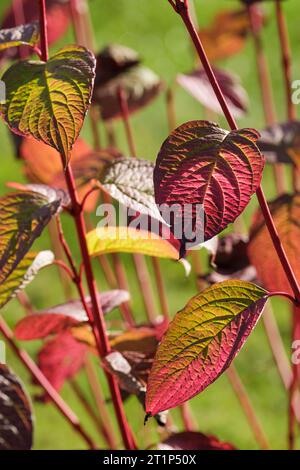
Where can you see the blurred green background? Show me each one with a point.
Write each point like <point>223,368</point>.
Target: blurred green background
<point>152,28</point>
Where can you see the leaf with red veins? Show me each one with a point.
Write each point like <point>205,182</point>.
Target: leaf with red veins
<point>202,341</point>
<point>202,164</point>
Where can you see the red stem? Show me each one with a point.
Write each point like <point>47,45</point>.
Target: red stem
<point>44,31</point>
<point>96,317</point>
<point>40,378</point>
<point>183,10</point>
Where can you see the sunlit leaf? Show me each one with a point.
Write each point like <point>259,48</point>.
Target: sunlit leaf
<point>202,341</point>
<point>57,319</point>
<point>280,143</point>
<point>23,216</point>
<point>193,441</point>
<point>286,215</point>
<point>129,240</point>
<point>130,181</point>
<point>204,170</point>
<point>197,84</point>
<point>24,274</point>
<point>16,427</point>
<point>25,34</point>
<point>49,101</point>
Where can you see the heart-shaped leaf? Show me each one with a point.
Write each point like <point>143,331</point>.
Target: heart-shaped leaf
<point>207,173</point>
<point>130,181</point>
<point>129,240</point>
<point>49,101</point>
<point>23,216</point>
<point>57,319</point>
<point>16,427</point>
<point>193,441</point>
<point>286,214</point>
<point>280,143</point>
<point>140,85</point>
<point>197,84</point>
<point>24,274</point>
<point>202,341</point>
<point>25,34</point>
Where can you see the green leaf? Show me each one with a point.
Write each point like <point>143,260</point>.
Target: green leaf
<point>25,272</point>
<point>23,216</point>
<point>130,181</point>
<point>129,240</point>
<point>202,341</point>
<point>16,426</point>
<point>49,101</point>
<point>25,34</point>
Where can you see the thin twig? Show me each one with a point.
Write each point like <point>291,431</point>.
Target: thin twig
<point>244,399</point>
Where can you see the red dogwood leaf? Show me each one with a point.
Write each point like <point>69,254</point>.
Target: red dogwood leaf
<point>202,341</point>
<point>202,164</point>
<point>61,358</point>
<point>62,317</point>
<point>193,441</point>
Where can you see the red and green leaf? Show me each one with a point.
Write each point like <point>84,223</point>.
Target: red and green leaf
<point>202,341</point>
<point>49,100</point>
